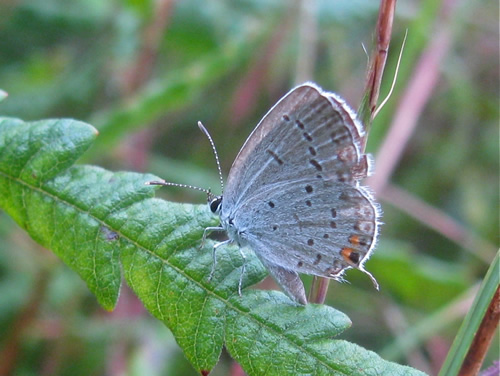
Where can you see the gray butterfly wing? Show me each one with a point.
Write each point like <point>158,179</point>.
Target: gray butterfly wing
<point>293,191</point>
<point>289,281</point>
<point>314,227</point>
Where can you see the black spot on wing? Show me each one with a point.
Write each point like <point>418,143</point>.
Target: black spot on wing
<point>275,157</point>
<point>318,259</point>
<point>316,164</point>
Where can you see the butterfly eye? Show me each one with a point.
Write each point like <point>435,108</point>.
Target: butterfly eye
<point>216,204</point>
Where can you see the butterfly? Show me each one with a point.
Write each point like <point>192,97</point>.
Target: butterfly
<point>293,193</point>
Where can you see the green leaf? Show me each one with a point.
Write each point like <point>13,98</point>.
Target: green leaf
<point>65,208</point>
<point>100,223</point>
<point>463,341</point>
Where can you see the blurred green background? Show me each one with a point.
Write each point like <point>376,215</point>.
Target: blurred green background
<point>143,73</point>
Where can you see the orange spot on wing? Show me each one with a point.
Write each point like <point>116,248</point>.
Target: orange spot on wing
<point>354,239</point>
<point>346,252</point>
<point>350,256</point>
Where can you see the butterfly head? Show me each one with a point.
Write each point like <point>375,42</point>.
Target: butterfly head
<point>215,203</point>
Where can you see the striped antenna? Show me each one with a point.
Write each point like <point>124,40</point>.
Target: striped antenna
<point>204,130</point>
<point>207,191</point>
<point>168,184</point>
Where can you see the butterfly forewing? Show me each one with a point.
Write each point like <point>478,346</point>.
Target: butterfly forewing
<point>304,135</point>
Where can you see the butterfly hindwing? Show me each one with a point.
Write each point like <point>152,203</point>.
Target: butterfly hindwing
<point>317,228</point>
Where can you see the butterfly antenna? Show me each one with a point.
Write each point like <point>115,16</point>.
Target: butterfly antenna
<point>204,130</point>
<point>375,113</point>
<point>169,184</point>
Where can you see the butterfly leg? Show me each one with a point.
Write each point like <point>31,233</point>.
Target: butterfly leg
<point>209,229</point>
<point>243,269</point>
<point>214,256</point>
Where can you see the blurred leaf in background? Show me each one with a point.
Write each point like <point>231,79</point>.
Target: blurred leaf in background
<point>143,73</point>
